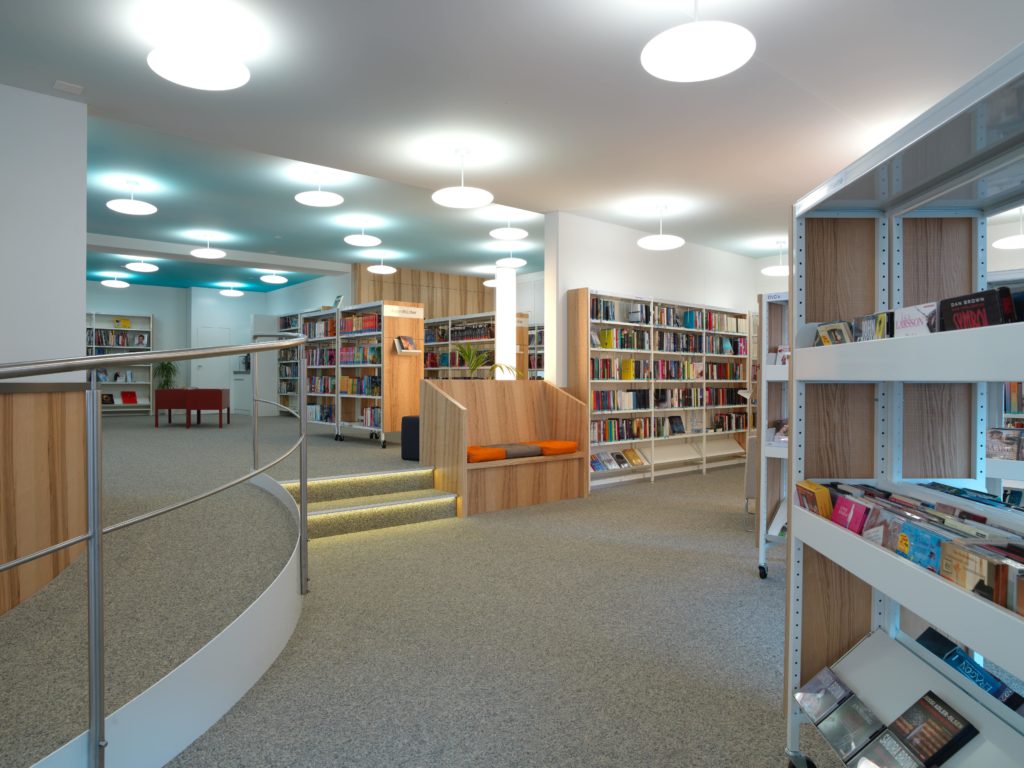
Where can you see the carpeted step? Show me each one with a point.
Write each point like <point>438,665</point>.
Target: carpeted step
<point>365,513</point>
<point>325,489</point>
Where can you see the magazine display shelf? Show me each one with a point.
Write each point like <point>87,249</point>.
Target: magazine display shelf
<point>141,383</point>
<point>902,226</point>
<point>770,510</point>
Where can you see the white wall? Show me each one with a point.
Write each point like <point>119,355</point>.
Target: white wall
<point>765,284</point>
<point>311,294</point>
<point>168,306</point>
<point>530,296</point>
<point>42,221</point>
<point>584,253</point>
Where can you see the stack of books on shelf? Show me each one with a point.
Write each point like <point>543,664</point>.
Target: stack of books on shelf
<point>473,332</point>
<point>691,397</point>
<point>619,368</point>
<point>360,323</point>
<point>616,430</point>
<point>619,311</point>
<point>321,357</point>
<point>679,370</point>
<point>1005,444</point>
<point>620,400</point>
<point>324,328</point>
<point>611,461</point>
<point>320,412</point>
<point>969,549</point>
<point>371,417</point>
<point>721,322</point>
<point>321,385</point>
<point>672,341</point>
<point>368,354</point>
<point>359,385</point>
<point>674,317</point>
<point>927,734</point>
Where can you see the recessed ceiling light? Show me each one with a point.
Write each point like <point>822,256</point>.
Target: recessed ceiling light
<point>511,262</point>
<point>141,266</point>
<point>274,279</point>
<point>232,293</point>
<point>490,283</point>
<point>114,282</point>
<point>319,198</point>
<point>509,233</point>
<point>698,51</point>
<point>381,269</point>
<point>204,70</point>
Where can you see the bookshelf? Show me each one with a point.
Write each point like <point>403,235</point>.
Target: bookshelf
<point>662,378</point>
<point>772,383</point>
<point>123,388</point>
<point>535,352</point>
<point>321,330</point>
<point>443,334</point>
<point>288,365</point>
<point>903,225</point>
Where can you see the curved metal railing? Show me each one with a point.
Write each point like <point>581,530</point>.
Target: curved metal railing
<point>93,538</point>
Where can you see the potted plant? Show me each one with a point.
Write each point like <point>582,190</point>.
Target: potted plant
<point>473,360</point>
<point>164,373</point>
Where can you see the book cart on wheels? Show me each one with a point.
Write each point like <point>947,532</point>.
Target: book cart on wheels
<point>900,227</point>
<point>772,383</point>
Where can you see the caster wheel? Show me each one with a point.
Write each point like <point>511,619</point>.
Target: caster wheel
<point>762,571</point>
<point>383,443</point>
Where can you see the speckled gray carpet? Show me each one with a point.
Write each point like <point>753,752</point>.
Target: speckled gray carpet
<point>628,629</point>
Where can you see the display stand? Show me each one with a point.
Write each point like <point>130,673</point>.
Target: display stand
<point>123,388</point>
<point>902,226</point>
<point>663,381</point>
<point>772,383</point>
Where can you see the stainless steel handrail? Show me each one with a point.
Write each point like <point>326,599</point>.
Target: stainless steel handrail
<point>93,538</point>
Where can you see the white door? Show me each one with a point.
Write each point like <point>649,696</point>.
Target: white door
<point>212,372</point>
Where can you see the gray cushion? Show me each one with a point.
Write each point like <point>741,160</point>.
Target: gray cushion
<point>518,450</point>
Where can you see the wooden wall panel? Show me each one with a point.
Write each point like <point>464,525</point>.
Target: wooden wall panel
<point>938,430</point>
<point>578,341</point>
<point>506,487</point>
<point>840,274</point>
<point>402,373</point>
<point>441,294</point>
<point>937,259</point>
<point>777,321</point>
<point>42,486</point>
<point>443,440</point>
<point>840,430</point>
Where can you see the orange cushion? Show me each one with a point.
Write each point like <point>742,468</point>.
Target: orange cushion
<point>485,453</point>
<point>556,447</point>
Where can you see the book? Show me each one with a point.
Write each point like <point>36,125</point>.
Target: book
<point>918,320</point>
<point>921,543</point>
<point>107,398</point>
<point>102,375</point>
<point>676,425</point>
<point>932,730</point>
<point>607,460</point>
<point>129,397</point>
<point>783,355</point>
<point>886,751</point>
<point>962,662</point>
<point>850,513</point>
<point>620,460</point>
<point>634,457</point>
<point>820,695</point>
<point>850,728</point>
<point>595,463</point>
<point>814,498</point>
<point>874,326</point>
<point>1003,444</point>
<point>122,322</point>
<point>834,333</point>
<point>976,310</point>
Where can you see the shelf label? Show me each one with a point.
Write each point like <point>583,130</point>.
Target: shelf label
<point>391,310</point>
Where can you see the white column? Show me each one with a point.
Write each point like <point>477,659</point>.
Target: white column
<point>505,321</point>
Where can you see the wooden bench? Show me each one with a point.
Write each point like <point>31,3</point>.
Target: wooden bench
<point>458,413</point>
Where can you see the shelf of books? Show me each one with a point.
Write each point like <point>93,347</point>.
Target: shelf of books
<point>535,350</point>
<point>321,330</point>
<point>772,423</point>
<point>1004,447</point>
<point>288,365</point>
<point>905,576</point>
<point>443,336</point>
<point>663,380</point>
<point>123,388</point>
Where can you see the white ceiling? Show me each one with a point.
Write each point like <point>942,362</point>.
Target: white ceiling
<point>558,84</point>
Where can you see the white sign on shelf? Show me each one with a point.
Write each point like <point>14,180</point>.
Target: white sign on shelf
<point>393,310</point>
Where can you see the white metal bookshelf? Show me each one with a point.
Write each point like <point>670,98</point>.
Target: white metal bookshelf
<point>443,334</point>
<point>123,388</point>
<point>773,455</point>
<point>674,349</point>
<point>288,365</point>
<point>535,351</point>
<point>901,226</point>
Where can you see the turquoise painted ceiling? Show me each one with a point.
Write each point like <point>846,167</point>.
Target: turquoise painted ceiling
<point>249,198</point>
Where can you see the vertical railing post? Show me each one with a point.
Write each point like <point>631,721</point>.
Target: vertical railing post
<point>94,455</point>
<point>254,371</point>
<point>303,478</point>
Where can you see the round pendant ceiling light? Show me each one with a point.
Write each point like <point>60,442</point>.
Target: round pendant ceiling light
<point>362,240</point>
<point>319,198</point>
<point>114,282</point>
<point>698,51</point>
<point>777,270</point>
<point>232,293</point>
<point>381,269</point>
<point>462,196</point>
<point>509,233</point>
<point>511,262</point>
<point>661,241</point>
<point>208,252</point>
<point>1012,242</point>
<point>490,283</point>
<point>131,206</point>
<point>204,70</point>
<point>274,279</point>
<point>141,266</point>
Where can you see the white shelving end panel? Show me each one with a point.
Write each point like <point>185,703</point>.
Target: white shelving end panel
<point>977,354</point>
<point>772,451</point>
<point>776,372</point>
<point>992,631</point>
<point>1004,469</point>
<point>889,678</point>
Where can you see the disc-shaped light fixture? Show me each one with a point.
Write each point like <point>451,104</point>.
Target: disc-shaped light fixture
<point>130,206</point>
<point>462,196</point>
<point>698,50</point>
<point>490,283</point>
<point>381,269</point>
<point>660,241</point>
<point>274,279</point>
<point>509,233</point>
<point>511,262</point>
<point>141,265</point>
<point>362,240</point>
<point>231,291</point>
<point>208,252</point>
<point>1012,242</point>
<point>777,270</point>
<point>319,198</point>
<point>202,68</point>
<point>114,282</point>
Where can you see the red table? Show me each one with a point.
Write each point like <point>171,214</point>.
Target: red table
<point>189,400</point>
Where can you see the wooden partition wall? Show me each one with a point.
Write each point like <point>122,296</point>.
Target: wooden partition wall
<point>441,294</point>
<point>42,486</point>
<point>938,419</point>
<point>458,413</point>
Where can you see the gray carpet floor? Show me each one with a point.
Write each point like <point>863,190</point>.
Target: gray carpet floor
<point>628,629</point>
<point>171,584</point>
